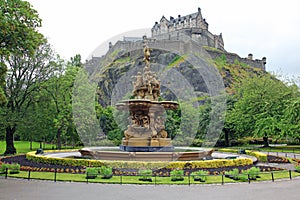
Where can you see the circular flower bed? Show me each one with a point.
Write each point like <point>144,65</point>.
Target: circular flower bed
<point>213,167</point>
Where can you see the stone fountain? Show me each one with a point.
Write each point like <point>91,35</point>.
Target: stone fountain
<point>145,138</point>
<point>146,130</point>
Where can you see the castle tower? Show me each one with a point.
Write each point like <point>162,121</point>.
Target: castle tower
<point>192,25</point>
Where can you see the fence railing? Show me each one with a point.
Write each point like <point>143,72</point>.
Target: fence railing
<point>154,179</point>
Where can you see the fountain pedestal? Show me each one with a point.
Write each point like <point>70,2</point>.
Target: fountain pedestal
<point>146,131</point>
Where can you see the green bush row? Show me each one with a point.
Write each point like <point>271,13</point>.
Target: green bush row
<point>139,164</point>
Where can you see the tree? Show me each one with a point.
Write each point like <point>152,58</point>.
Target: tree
<point>37,123</point>
<point>18,34</point>
<point>290,122</point>
<point>83,107</point>
<point>60,89</point>
<point>261,101</point>
<point>25,74</point>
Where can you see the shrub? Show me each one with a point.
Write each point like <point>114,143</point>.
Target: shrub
<point>3,167</point>
<point>12,168</point>
<point>91,172</point>
<point>200,175</point>
<point>260,156</point>
<point>228,150</point>
<point>178,174</point>
<point>106,172</point>
<point>145,173</point>
<point>253,172</point>
<point>297,168</point>
<point>234,174</point>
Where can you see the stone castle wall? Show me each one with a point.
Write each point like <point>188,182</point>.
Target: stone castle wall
<point>231,57</point>
<point>178,46</point>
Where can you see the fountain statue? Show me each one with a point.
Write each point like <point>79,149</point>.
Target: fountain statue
<point>146,130</point>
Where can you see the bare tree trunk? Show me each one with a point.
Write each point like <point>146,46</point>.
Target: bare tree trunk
<point>266,141</point>
<point>58,138</point>
<point>10,148</point>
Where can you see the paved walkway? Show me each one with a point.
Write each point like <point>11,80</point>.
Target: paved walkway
<point>283,154</point>
<point>13,189</point>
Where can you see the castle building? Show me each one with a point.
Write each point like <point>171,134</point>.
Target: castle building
<point>192,25</point>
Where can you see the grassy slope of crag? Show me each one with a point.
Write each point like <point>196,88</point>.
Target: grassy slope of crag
<point>117,64</point>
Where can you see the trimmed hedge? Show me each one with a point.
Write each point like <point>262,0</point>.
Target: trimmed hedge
<point>62,161</point>
<point>260,156</point>
<point>140,164</point>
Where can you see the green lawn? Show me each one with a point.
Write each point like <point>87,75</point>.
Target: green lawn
<point>135,179</point>
<point>285,149</point>
<point>24,146</point>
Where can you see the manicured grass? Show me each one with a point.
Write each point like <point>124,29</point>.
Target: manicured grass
<point>285,149</point>
<point>24,146</point>
<point>135,179</point>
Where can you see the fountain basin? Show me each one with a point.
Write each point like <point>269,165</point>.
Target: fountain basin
<point>101,154</point>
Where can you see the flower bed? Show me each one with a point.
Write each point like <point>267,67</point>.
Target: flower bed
<point>138,164</point>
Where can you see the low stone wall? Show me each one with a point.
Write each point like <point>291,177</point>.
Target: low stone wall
<point>231,57</point>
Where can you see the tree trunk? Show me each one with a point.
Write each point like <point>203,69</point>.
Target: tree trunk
<point>266,141</point>
<point>226,135</point>
<point>58,138</point>
<point>10,148</point>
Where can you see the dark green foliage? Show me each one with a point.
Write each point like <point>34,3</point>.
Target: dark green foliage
<point>261,108</point>
<point>145,173</point>
<point>91,172</point>
<point>106,172</point>
<point>234,174</point>
<point>177,175</point>
<point>200,175</point>
<point>12,168</point>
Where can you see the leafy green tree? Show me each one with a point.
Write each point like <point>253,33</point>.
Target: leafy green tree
<point>260,105</point>
<point>37,123</point>
<point>290,122</point>
<point>83,105</point>
<point>18,35</point>
<point>60,88</point>
<point>25,75</point>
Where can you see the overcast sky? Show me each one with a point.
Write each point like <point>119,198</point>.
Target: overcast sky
<point>261,27</point>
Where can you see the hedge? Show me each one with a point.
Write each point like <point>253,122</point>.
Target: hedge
<point>262,157</point>
<point>140,164</point>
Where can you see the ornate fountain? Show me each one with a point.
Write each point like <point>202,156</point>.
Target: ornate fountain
<point>145,138</point>
<point>146,130</point>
